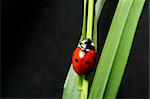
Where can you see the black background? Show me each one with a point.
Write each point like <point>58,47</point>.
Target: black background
<point>39,36</point>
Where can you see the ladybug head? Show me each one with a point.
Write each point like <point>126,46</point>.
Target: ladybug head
<point>87,45</point>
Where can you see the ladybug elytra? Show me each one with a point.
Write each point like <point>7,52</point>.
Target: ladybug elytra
<point>84,57</point>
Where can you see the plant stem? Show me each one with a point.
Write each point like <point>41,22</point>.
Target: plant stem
<point>84,91</point>
<point>90,19</point>
<point>83,36</point>
<point>98,8</point>
<point>95,33</point>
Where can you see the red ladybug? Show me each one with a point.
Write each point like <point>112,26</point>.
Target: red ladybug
<point>84,57</point>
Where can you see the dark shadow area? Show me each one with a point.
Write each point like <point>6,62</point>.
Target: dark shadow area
<point>38,39</point>
<point>39,36</point>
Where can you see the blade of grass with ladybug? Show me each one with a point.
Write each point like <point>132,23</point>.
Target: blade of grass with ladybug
<point>77,86</point>
<point>115,52</point>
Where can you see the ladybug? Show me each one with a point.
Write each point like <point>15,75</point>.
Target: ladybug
<point>84,57</point>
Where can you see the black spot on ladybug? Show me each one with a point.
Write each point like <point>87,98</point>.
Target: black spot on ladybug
<point>87,62</point>
<point>76,60</point>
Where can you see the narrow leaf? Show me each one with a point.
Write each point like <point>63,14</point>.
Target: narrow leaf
<point>83,36</point>
<point>71,88</point>
<point>98,8</point>
<point>123,50</point>
<point>110,48</point>
<point>90,19</point>
<point>73,81</point>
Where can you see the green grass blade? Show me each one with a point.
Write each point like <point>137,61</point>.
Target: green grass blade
<point>90,19</point>
<point>71,86</point>
<point>84,93</point>
<point>98,8</point>
<point>110,48</point>
<point>123,50</point>
<point>83,36</point>
<point>73,81</point>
